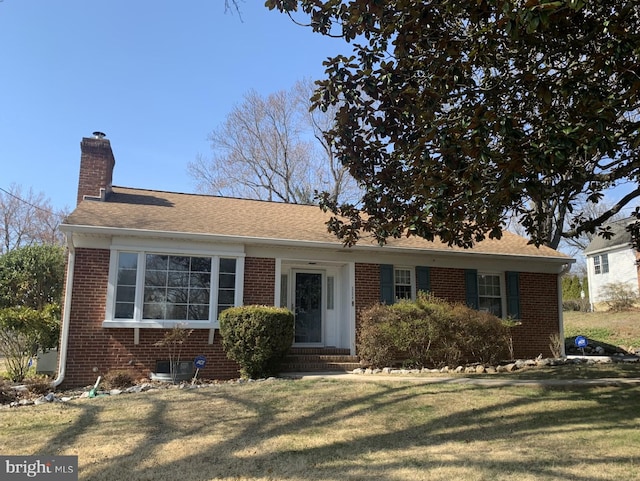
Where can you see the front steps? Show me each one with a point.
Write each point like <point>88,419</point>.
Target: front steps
<point>319,359</point>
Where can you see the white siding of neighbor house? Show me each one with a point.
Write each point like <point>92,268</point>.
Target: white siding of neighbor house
<point>622,268</point>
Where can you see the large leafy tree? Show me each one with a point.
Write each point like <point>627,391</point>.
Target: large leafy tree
<point>31,283</point>
<point>32,276</point>
<point>453,114</point>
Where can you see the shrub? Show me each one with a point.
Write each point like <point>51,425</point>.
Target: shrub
<point>619,296</point>
<point>578,305</point>
<point>430,332</point>
<point>173,340</point>
<point>38,384</point>
<point>24,330</point>
<point>7,393</point>
<point>118,379</point>
<point>257,338</point>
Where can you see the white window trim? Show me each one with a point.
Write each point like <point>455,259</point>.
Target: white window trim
<point>597,265</point>
<point>503,289</point>
<point>137,321</point>
<point>412,280</point>
<point>604,263</point>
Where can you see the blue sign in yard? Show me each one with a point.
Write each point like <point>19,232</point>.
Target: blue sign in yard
<point>581,342</point>
<point>199,362</point>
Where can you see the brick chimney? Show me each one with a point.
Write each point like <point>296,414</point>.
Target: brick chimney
<point>96,167</point>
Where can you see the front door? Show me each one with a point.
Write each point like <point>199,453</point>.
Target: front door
<point>308,307</point>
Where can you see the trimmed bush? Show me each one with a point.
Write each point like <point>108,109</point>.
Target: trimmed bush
<point>430,332</point>
<point>257,338</point>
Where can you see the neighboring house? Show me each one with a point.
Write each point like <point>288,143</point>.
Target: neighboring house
<point>142,261</point>
<point>612,260</point>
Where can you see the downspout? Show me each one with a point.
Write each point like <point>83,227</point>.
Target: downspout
<point>563,353</point>
<point>66,318</point>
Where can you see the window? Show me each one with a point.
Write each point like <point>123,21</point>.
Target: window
<point>127,280</point>
<point>490,294</point>
<point>153,288</point>
<point>284,290</point>
<point>402,283</point>
<point>330,294</point>
<point>226,285</point>
<point>176,287</point>
<point>601,264</point>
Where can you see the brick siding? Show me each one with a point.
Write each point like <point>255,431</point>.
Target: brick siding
<point>538,303</point>
<point>448,284</point>
<point>106,349</point>
<point>367,278</point>
<point>539,315</point>
<point>259,281</point>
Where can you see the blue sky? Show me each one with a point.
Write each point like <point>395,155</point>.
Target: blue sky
<point>156,77</point>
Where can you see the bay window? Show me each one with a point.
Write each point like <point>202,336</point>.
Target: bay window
<point>161,290</point>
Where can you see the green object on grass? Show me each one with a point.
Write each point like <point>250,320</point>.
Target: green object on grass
<point>92,393</point>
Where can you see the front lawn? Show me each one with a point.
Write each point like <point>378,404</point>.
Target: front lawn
<point>342,430</point>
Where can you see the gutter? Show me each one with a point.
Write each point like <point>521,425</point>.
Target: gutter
<point>235,239</point>
<point>66,318</point>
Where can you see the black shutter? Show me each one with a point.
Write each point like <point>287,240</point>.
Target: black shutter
<point>423,279</point>
<point>387,294</point>
<point>513,294</point>
<point>471,287</point>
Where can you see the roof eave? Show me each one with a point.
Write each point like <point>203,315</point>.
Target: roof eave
<point>113,231</point>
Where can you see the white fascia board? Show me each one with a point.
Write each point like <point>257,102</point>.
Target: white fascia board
<point>555,264</point>
<point>609,250</point>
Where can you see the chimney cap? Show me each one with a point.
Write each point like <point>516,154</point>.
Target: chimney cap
<point>99,135</point>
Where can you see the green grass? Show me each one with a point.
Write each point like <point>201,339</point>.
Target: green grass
<point>340,430</point>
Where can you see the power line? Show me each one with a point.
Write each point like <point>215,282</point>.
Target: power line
<point>27,202</point>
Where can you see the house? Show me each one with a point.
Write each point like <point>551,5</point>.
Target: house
<point>143,261</point>
<point>612,260</point>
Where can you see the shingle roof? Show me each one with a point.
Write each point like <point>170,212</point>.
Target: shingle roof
<point>621,237</point>
<point>157,211</point>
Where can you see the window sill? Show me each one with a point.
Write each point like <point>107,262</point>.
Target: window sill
<point>151,324</point>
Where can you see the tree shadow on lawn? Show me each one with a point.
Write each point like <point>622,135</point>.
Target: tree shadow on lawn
<point>245,424</point>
